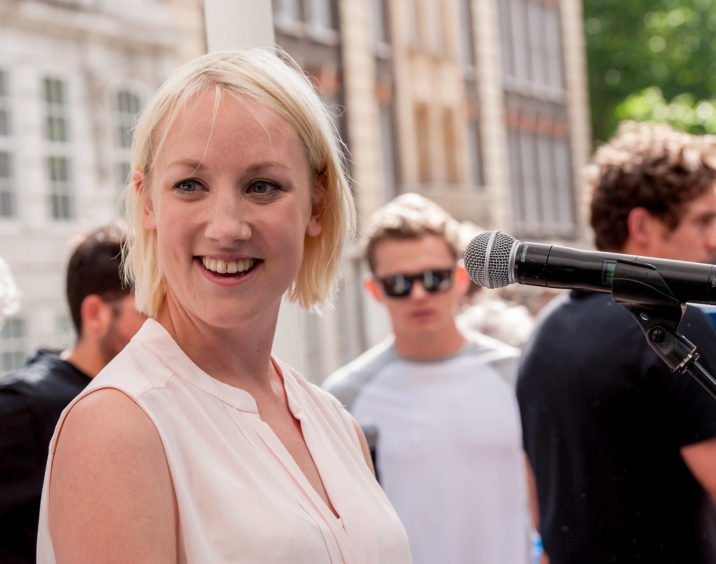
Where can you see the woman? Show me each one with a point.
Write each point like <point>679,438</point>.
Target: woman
<point>196,445</point>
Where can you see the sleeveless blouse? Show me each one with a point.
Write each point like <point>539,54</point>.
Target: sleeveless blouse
<point>240,495</point>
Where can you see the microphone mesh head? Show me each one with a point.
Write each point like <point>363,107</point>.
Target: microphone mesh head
<point>487,259</point>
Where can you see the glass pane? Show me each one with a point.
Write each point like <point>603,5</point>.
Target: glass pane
<point>123,172</point>
<point>122,101</point>
<point>7,204</point>
<point>18,359</point>
<point>288,10</point>
<point>125,137</point>
<point>7,362</point>
<point>4,122</point>
<point>54,206</point>
<point>5,165</point>
<point>58,92</point>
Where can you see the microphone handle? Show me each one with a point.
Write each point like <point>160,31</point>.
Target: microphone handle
<point>539,264</point>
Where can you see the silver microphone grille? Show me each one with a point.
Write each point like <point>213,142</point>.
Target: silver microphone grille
<point>487,259</point>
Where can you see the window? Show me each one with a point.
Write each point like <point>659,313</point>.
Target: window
<point>416,25</point>
<point>387,140</point>
<point>7,188</point>
<point>434,15</point>
<point>61,201</point>
<point>8,205</point>
<point>13,345</point>
<point>518,28</point>
<point>64,331</point>
<point>541,177</point>
<point>58,162</point>
<point>507,46</point>
<point>287,11</point>
<point>422,136</point>
<point>126,107</point>
<point>553,53</point>
<point>536,43</point>
<point>320,14</point>
<point>55,110</point>
<point>5,125</point>
<point>467,35</point>
<point>529,190</point>
<point>530,43</point>
<point>475,153</point>
<point>450,146</point>
<point>380,26</point>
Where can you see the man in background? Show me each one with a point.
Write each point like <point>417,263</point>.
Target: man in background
<point>623,450</point>
<point>449,451</point>
<point>32,398</point>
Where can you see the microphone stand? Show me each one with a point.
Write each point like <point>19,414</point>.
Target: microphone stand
<point>640,288</point>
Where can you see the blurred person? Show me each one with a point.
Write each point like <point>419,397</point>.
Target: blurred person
<point>507,314</point>
<point>449,450</point>
<point>623,450</point>
<point>9,293</point>
<point>504,314</point>
<point>196,444</point>
<point>32,398</point>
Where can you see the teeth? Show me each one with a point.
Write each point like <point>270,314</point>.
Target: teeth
<point>227,267</point>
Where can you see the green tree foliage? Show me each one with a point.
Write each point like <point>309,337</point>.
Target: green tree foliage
<point>649,59</point>
<point>683,111</point>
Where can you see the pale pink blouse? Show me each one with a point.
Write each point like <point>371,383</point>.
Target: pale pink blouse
<point>240,495</point>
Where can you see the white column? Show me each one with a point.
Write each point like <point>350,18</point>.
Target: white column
<point>234,24</point>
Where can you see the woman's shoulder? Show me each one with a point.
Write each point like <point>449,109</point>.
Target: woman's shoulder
<point>108,471</point>
<point>105,419</point>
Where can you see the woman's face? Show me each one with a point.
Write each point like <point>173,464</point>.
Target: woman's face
<point>229,197</point>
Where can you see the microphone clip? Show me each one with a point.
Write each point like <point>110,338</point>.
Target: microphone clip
<point>642,291</point>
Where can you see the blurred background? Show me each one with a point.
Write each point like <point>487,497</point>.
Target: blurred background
<point>489,107</point>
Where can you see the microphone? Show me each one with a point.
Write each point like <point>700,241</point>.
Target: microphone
<point>494,259</point>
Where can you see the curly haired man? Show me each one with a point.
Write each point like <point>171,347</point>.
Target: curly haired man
<point>623,451</point>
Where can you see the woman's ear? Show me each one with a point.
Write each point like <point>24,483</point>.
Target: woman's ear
<point>315,223</point>
<point>371,284</point>
<point>139,184</point>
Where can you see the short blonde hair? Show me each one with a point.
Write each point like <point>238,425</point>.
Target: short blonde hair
<point>411,216</point>
<point>274,79</point>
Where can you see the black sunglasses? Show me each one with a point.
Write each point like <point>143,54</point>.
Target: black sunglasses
<point>434,280</point>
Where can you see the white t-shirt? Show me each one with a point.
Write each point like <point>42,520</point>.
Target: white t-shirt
<point>449,448</point>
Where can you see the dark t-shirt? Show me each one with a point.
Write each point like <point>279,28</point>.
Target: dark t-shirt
<point>31,401</point>
<point>604,419</point>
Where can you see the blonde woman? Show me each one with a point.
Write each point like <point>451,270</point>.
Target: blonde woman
<point>196,444</point>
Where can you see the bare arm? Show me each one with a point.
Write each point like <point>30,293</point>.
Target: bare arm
<point>111,497</point>
<point>701,460</point>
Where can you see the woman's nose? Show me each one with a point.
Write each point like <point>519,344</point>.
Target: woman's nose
<point>228,218</point>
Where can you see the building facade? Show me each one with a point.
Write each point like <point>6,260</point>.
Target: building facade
<point>478,104</point>
<point>73,75</point>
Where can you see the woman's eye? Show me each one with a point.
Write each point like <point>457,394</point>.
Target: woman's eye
<point>264,187</point>
<point>187,186</point>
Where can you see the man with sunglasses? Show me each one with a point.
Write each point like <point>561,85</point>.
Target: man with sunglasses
<point>449,450</point>
<point>32,398</point>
